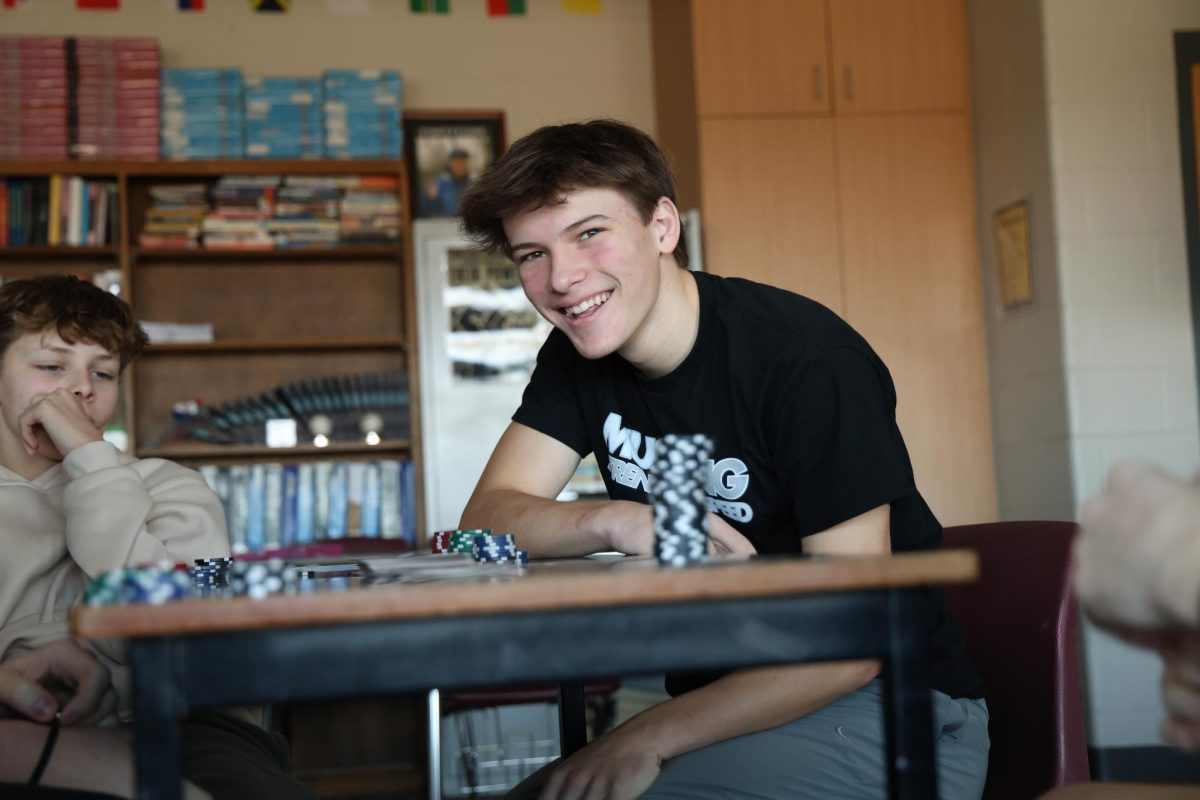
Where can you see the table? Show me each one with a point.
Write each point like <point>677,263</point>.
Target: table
<point>567,620</point>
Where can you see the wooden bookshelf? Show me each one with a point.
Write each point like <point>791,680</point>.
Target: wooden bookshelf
<point>279,315</point>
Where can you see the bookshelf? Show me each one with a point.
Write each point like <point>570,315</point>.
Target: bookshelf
<point>279,315</point>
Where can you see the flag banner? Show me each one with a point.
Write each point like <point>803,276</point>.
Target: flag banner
<point>583,6</point>
<point>506,8</point>
<point>429,6</point>
<point>187,5</point>
<point>98,5</point>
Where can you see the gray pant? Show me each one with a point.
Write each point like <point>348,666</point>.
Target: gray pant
<point>835,752</point>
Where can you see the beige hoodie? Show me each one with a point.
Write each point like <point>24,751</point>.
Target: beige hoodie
<point>97,510</point>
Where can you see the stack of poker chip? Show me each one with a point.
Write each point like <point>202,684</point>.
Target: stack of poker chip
<point>457,541</point>
<point>211,573</point>
<point>501,549</point>
<point>680,503</point>
<point>154,584</point>
<point>259,579</point>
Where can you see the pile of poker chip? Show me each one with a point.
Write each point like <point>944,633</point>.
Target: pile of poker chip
<point>259,579</point>
<point>154,584</point>
<point>456,541</point>
<point>483,546</point>
<point>501,549</point>
<point>167,581</point>
<point>680,503</point>
<point>210,574</point>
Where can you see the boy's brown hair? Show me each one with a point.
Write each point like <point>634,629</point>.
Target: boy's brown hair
<point>541,167</point>
<point>78,310</point>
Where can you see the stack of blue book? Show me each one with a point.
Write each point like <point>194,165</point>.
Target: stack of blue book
<point>362,114</point>
<point>284,118</point>
<point>203,115</point>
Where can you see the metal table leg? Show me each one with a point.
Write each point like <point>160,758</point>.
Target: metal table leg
<point>158,709</point>
<point>572,717</point>
<point>912,769</point>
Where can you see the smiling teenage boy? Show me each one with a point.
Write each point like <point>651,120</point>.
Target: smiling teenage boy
<point>71,507</point>
<point>807,458</point>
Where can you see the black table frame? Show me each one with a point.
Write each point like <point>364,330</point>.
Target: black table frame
<point>177,673</point>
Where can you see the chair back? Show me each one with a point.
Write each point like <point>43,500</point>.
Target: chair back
<point>1020,625</point>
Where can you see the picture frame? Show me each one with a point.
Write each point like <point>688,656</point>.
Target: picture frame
<point>1010,230</point>
<point>446,151</point>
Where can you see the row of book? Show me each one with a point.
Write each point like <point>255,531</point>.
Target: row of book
<point>259,212</point>
<point>79,97</point>
<point>340,408</point>
<point>58,210</point>
<point>218,113</point>
<point>203,114</point>
<point>284,118</point>
<point>268,506</point>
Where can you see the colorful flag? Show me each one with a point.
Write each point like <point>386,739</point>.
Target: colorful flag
<point>97,5</point>
<point>583,6</point>
<point>13,3</point>
<point>188,5</point>
<point>271,6</point>
<point>426,6</point>
<point>506,8</point>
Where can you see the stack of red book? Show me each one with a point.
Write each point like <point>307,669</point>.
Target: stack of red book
<point>116,98</point>
<point>35,101</point>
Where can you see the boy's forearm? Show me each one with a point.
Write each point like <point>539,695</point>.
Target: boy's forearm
<point>746,701</point>
<point>548,528</point>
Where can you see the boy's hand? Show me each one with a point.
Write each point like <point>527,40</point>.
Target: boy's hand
<point>616,766</point>
<point>32,685</point>
<point>55,424</point>
<point>633,531</point>
<point>725,540</point>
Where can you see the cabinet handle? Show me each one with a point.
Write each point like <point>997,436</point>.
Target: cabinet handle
<point>818,87</point>
<point>848,82</point>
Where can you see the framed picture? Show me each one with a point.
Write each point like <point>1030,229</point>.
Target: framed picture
<point>446,151</point>
<point>1010,226</point>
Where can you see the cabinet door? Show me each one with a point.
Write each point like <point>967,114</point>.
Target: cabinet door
<point>770,212</point>
<point>912,288</point>
<point>760,57</point>
<point>900,55</point>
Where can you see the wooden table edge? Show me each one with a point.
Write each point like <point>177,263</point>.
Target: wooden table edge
<point>532,592</point>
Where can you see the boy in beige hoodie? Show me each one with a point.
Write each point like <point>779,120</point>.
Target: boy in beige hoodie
<point>71,507</point>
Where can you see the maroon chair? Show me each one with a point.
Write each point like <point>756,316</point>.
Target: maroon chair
<point>1019,623</point>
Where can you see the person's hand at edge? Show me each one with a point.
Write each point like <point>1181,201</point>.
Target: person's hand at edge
<point>33,683</point>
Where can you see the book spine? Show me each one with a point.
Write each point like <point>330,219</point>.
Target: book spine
<point>339,500</point>
<point>54,230</point>
<point>257,508</point>
<point>238,509</point>
<point>305,503</point>
<point>389,500</point>
<point>287,528</point>
<point>371,500</point>
<point>273,508</point>
<point>322,477</point>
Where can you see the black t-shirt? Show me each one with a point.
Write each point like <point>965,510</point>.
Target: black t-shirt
<point>802,414</point>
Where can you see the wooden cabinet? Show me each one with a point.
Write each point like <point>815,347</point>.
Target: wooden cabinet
<point>899,55</point>
<point>736,44</point>
<point>864,202</point>
<point>912,288</point>
<point>821,56</point>
<point>278,315</point>
<point>767,185</point>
